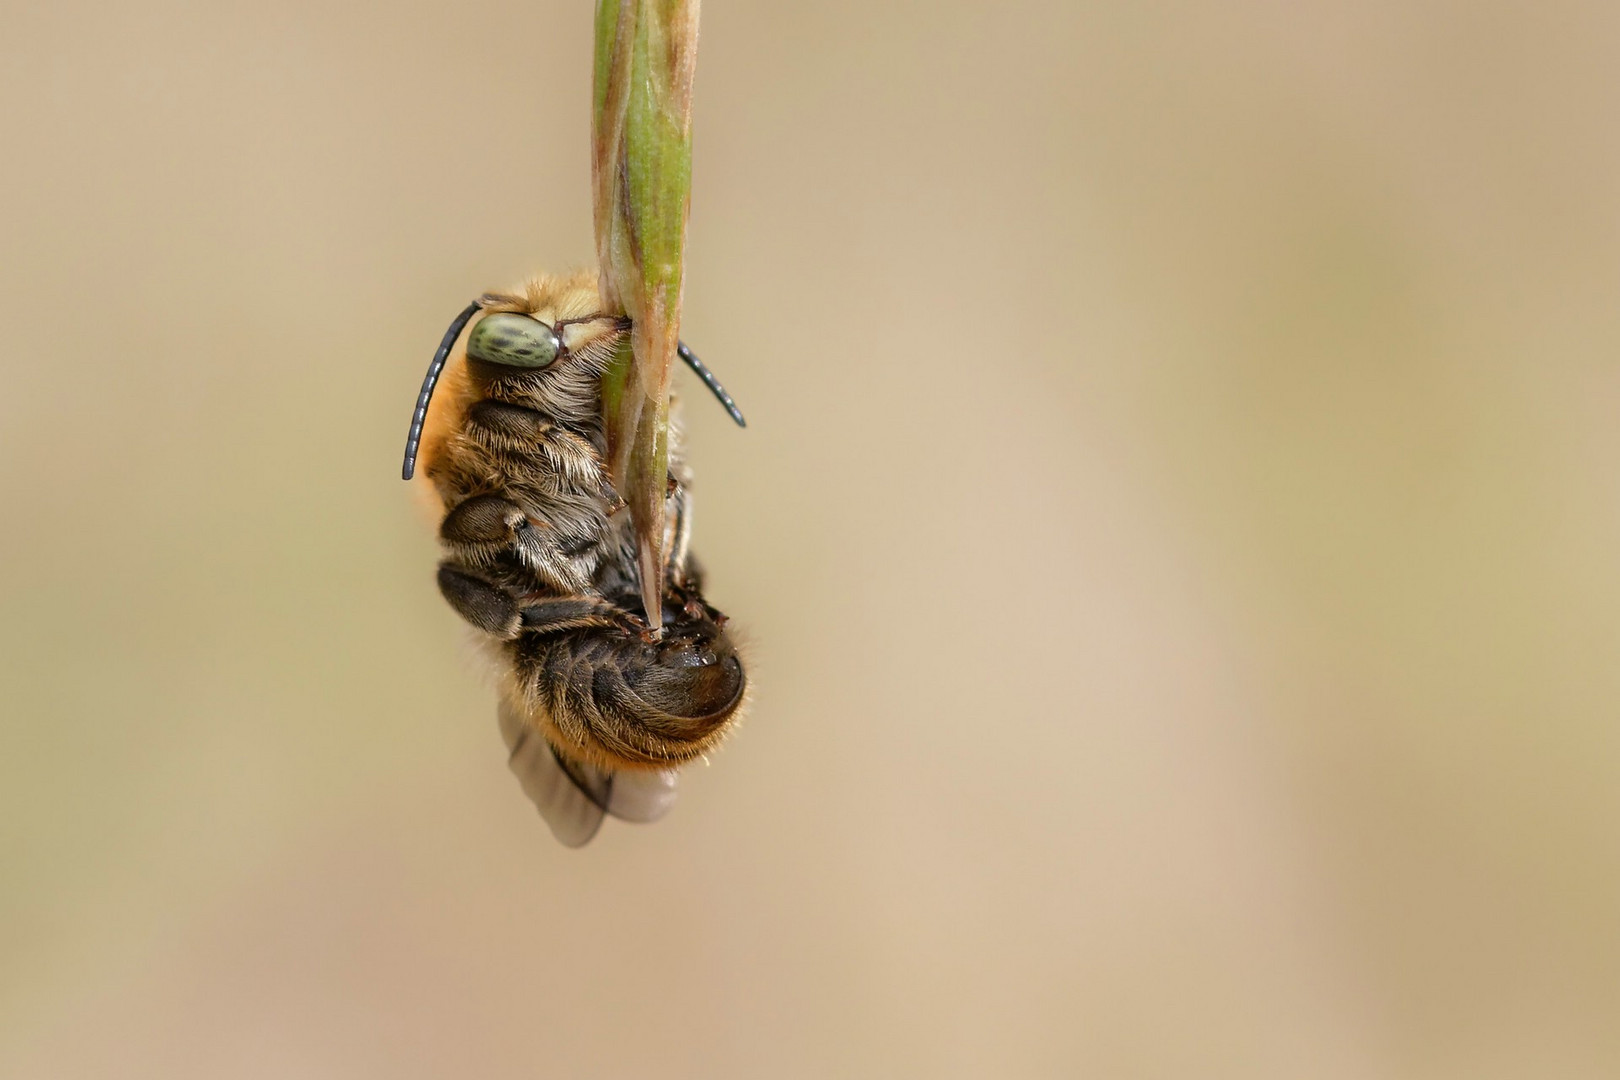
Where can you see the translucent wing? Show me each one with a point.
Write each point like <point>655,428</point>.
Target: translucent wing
<point>641,796</point>
<point>573,797</point>
<point>573,814</point>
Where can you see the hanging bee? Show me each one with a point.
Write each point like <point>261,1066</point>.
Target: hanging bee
<point>596,712</point>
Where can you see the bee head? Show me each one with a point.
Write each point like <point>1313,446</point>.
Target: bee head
<point>510,339</point>
<point>518,340</point>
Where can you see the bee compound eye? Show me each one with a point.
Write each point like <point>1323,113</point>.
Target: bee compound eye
<point>513,340</point>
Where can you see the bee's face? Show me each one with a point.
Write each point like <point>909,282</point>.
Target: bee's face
<point>531,342</point>
<point>539,328</point>
<point>543,325</point>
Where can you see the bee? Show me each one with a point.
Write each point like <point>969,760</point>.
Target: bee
<point>596,711</point>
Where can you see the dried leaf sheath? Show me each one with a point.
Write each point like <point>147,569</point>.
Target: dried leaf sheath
<point>641,166</point>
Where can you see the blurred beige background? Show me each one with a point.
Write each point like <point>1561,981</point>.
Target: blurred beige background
<point>1176,530</point>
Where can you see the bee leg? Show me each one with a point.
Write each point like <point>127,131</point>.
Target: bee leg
<point>489,607</point>
<point>484,520</point>
<point>693,579</point>
<point>554,613</point>
<point>485,528</point>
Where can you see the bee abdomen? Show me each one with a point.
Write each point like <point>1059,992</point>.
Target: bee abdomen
<point>624,702</point>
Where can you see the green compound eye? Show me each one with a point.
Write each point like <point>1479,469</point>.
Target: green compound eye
<point>513,340</point>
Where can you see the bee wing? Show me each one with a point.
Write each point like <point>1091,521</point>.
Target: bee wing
<point>573,797</point>
<point>641,796</point>
<point>573,813</point>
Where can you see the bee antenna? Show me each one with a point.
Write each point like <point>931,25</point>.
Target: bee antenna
<point>414,439</point>
<point>710,381</point>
